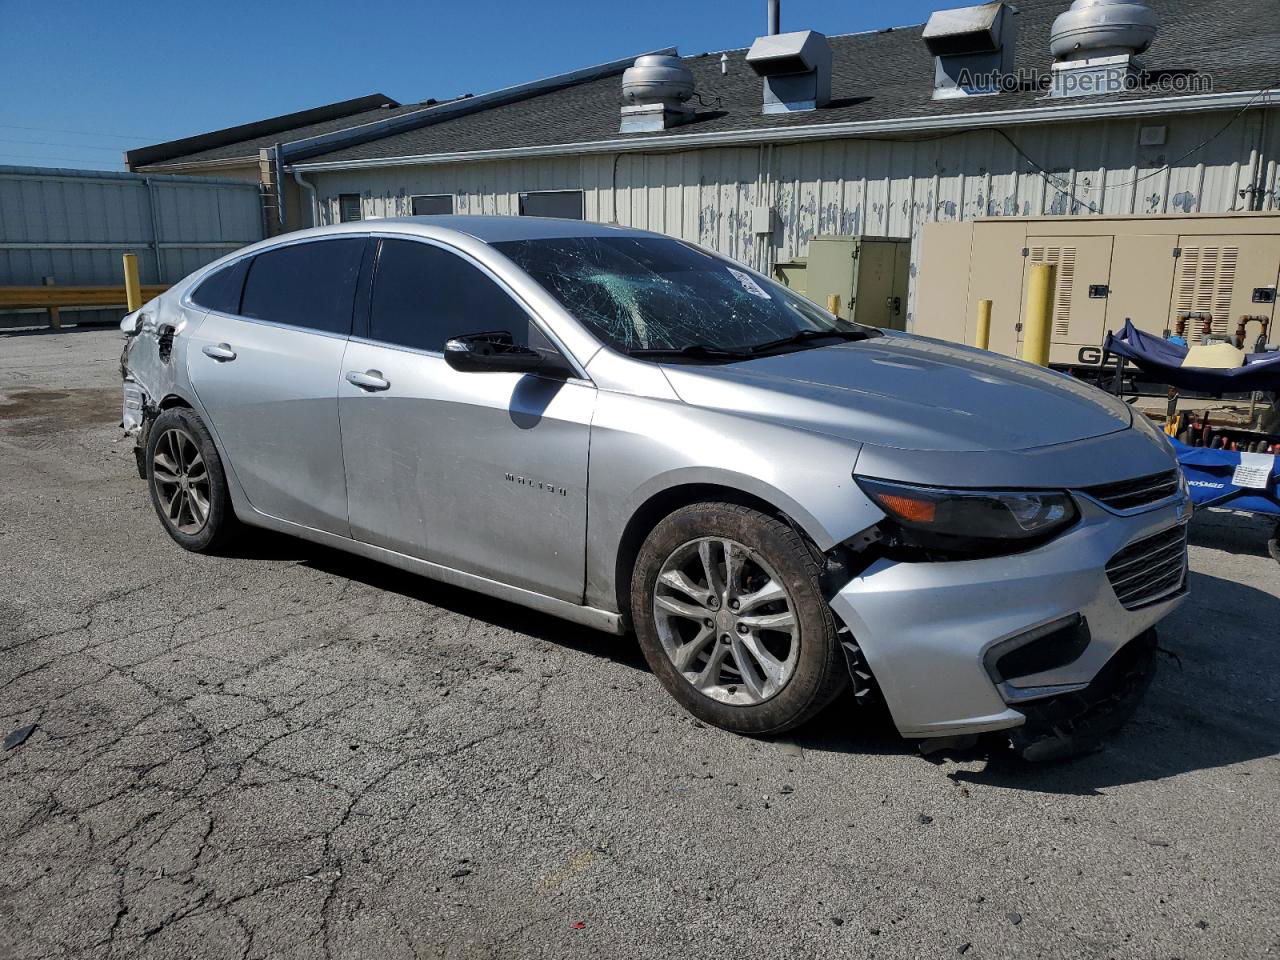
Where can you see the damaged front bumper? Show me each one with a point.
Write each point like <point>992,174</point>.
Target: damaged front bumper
<point>966,647</point>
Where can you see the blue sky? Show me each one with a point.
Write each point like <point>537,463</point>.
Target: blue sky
<point>82,81</point>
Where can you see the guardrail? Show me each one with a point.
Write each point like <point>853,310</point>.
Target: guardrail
<point>50,296</point>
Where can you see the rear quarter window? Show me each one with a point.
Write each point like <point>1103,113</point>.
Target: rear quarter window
<point>309,285</point>
<point>221,290</point>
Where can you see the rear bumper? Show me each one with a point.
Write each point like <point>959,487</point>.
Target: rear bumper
<point>931,632</point>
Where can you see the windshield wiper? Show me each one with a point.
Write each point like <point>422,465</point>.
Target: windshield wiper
<point>694,351</point>
<point>804,336</point>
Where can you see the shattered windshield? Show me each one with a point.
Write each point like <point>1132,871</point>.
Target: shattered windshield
<point>659,297</point>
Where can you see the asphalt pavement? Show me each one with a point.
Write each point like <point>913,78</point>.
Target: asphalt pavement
<point>291,752</point>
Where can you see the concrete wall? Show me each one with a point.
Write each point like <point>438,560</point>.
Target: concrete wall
<point>872,187</point>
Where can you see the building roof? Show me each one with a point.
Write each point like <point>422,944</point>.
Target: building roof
<point>243,142</point>
<point>877,76</point>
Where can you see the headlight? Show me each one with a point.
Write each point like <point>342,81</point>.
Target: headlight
<point>972,522</point>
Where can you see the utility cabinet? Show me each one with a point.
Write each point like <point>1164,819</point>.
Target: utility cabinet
<point>870,275</point>
<point>1219,269</point>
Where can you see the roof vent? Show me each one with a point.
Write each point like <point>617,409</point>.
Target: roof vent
<point>654,91</point>
<point>972,49</point>
<point>1095,44</point>
<point>796,68</point>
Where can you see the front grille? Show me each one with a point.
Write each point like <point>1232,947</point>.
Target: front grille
<point>1128,494</point>
<point>1149,569</point>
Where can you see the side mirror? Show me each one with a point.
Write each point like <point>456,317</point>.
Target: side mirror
<point>493,352</point>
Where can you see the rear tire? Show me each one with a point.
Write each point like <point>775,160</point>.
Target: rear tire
<point>730,615</point>
<point>187,483</point>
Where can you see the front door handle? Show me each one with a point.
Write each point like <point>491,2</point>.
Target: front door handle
<point>370,380</point>
<point>221,352</point>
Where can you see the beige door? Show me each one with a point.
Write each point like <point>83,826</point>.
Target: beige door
<point>1079,313</point>
<point>874,290</point>
<point>1142,274</point>
<point>1218,275</point>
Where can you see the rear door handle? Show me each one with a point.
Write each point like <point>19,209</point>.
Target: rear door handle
<point>370,380</point>
<point>221,352</point>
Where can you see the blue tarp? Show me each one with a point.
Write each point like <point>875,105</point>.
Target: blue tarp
<point>1209,472</point>
<point>1162,360</point>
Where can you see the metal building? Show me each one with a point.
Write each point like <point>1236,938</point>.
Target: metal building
<point>1097,107</point>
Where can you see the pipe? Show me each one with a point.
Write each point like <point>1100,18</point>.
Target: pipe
<point>1035,330</point>
<point>315,199</point>
<point>983,338</point>
<point>775,17</point>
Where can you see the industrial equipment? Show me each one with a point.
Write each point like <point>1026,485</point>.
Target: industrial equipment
<point>869,275</point>
<point>1202,276</point>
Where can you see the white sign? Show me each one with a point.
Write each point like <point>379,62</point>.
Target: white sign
<point>1254,471</point>
<point>749,284</point>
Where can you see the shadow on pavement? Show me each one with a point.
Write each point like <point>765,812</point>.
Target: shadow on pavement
<point>1214,702</point>
<point>266,545</point>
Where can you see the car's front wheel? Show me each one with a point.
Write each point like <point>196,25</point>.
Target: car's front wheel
<point>188,486</point>
<point>730,615</point>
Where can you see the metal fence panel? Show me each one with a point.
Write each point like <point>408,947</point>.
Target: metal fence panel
<point>74,225</point>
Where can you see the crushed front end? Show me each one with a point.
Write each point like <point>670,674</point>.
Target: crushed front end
<point>1054,644</point>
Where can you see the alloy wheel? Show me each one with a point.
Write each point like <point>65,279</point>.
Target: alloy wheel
<point>182,481</point>
<point>726,621</point>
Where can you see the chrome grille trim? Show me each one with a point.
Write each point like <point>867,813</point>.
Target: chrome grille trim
<point>1128,494</point>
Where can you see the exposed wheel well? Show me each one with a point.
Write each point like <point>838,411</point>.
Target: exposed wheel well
<point>663,504</point>
<point>173,400</point>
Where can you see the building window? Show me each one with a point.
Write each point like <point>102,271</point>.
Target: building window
<point>348,207</point>
<point>432,204</point>
<point>566,204</point>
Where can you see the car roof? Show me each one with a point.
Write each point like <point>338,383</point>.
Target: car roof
<point>488,229</point>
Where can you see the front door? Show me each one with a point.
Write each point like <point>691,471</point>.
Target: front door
<point>482,472</point>
<point>268,372</point>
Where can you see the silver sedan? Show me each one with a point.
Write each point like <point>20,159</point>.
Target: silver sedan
<point>631,432</point>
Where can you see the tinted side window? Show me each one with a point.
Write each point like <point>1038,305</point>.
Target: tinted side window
<point>423,295</point>
<point>221,289</point>
<point>308,285</point>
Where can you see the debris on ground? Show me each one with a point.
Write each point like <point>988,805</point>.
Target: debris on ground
<point>18,737</point>
<point>1014,917</point>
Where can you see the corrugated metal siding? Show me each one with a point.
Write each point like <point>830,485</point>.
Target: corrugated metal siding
<point>871,187</point>
<point>74,225</point>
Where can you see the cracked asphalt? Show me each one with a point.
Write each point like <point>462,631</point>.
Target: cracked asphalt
<point>290,752</point>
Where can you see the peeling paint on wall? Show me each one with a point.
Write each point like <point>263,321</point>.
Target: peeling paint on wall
<point>874,188</point>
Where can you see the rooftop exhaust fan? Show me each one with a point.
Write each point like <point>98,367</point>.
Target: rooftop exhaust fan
<point>972,49</point>
<point>1096,43</point>
<point>654,91</point>
<point>796,68</point>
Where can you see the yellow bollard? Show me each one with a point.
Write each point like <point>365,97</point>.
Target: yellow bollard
<point>132,285</point>
<point>1036,324</point>
<point>983,337</point>
<point>833,304</point>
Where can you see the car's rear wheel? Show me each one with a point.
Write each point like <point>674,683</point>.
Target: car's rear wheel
<point>188,486</point>
<point>730,615</point>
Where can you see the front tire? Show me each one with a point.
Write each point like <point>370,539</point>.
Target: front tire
<point>187,483</point>
<point>730,615</point>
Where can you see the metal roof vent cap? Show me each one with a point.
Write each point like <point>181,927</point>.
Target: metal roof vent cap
<point>654,91</point>
<point>1095,43</point>
<point>796,68</point>
<point>1102,28</point>
<point>972,49</point>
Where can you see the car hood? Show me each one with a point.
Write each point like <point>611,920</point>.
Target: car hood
<point>907,392</point>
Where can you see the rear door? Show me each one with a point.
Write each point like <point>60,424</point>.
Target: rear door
<point>267,373</point>
<point>481,472</point>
